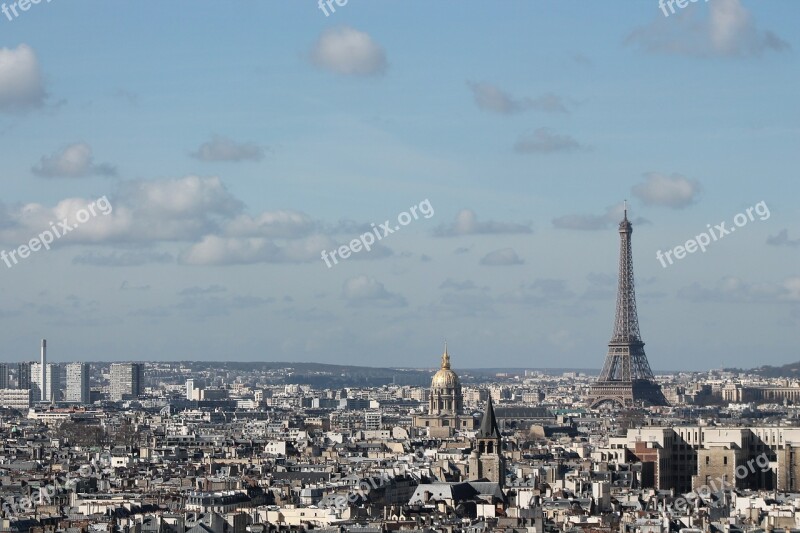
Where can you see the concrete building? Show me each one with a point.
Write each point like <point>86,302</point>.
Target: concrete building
<point>77,383</point>
<point>54,384</point>
<point>3,376</point>
<point>127,381</point>
<point>372,420</point>
<point>15,399</point>
<point>24,376</point>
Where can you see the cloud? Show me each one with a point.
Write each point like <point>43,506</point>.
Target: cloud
<point>189,196</point>
<point>21,83</point>
<point>224,149</point>
<point>728,30</point>
<point>198,212</point>
<point>539,292</point>
<point>73,161</point>
<point>546,141</point>
<point>491,98</point>
<point>286,224</point>
<point>216,250</point>
<point>502,257</point>
<point>350,52</point>
<point>129,96</point>
<point>124,286</point>
<point>467,285</point>
<point>363,290</point>
<point>195,290</point>
<point>611,218</point>
<point>124,259</point>
<point>673,191</point>
<point>782,239</point>
<point>734,290</point>
<point>210,304</point>
<point>466,223</point>
<point>183,209</point>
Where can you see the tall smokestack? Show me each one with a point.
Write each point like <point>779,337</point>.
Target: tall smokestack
<point>44,370</point>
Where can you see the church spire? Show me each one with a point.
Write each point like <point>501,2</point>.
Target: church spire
<point>489,423</point>
<point>445,358</point>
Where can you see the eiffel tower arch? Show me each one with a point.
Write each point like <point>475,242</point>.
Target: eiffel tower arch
<point>626,378</point>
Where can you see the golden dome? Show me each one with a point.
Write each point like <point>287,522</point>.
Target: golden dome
<point>445,378</point>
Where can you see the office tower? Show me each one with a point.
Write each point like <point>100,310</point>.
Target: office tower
<point>77,379</point>
<point>626,378</point>
<point>127,381</point>
<point>37,383</point>
<point>3,376</point>
<point>24,376</point>
<point>52,390</point>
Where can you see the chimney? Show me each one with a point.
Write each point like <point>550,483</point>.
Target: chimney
<point>44,370</point>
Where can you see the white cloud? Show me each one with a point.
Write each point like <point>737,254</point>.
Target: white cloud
<point>502,257</point>
<point>21,83</point>
<point>184,197</point>
<point>546,141</point>
<point>728,30</point>
<point>367,291</point>
<point>350,52</point>
<point>181,209</point>
<point>224,149</point>
<point>673,191</point>
<point>466,223</point>
<point>216,250</point>
<point>73,161</point>
<point>283,223</point>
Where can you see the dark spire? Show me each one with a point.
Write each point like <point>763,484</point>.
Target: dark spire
<point>488,428</point>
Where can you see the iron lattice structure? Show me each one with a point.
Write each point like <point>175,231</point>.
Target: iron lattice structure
<point>626,378</point>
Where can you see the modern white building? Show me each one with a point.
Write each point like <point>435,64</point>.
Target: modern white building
<point>77,378</point>
<point>55,382</point>
<point>15,398</point>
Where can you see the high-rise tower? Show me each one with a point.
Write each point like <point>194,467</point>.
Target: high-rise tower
<point>626,378</point>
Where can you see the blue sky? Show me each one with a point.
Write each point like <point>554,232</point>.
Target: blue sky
<point>236,141</point>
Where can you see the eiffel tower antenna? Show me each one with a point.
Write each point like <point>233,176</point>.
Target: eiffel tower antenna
<point>626,378</point>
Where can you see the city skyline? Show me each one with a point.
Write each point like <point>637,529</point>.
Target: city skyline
<point>206,179</point>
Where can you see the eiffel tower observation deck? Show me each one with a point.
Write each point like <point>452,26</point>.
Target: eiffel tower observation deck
<point>626,379</point>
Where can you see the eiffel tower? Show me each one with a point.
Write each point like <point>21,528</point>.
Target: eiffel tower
<point>626,379</point>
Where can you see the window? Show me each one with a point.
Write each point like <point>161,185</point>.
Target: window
<point>725,460</point>
<point>708,459</point>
